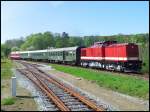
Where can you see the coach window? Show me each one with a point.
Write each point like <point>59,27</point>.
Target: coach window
<point>73,53</point>
<point>66,53</point>
<point>55,53</point>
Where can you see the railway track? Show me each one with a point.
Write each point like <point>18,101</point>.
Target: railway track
<point>63,97</point>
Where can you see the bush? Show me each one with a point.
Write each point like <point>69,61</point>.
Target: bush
<point>8,101</point>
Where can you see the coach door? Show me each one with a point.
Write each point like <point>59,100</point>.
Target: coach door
<point>64,55</point>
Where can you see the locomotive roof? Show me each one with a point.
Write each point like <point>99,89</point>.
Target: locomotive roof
<point>14,52</point>
<point>111,45</point>
<point>120,44</point>
<point>51,50</point>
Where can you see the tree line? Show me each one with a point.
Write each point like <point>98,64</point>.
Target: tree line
<point>39,41</point>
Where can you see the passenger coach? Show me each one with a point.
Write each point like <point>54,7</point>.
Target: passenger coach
<point>70,55</point>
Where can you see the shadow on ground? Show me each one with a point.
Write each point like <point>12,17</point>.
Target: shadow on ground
<point>26,96</point>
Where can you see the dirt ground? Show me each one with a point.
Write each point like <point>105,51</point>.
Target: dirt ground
<point>119,101</point>
<point>24,100</point>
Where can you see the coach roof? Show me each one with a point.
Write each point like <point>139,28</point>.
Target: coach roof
<point>51,50</point>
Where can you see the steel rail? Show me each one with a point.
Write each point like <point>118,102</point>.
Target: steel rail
<point>49,93</point>
<point>67,89</point>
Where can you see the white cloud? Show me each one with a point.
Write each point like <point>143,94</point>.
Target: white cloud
<point>56,3</point>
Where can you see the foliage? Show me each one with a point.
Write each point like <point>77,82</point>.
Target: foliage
<point>15,42</point>
<point>121,83</point>
<point>5,50</point>
<point>38,41</point>
<point>47,39</point>
<point>145,57</point>
<point>15,49</point>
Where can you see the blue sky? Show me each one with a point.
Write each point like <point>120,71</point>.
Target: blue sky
<point>22,18</point>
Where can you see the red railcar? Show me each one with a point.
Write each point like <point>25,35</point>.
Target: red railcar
<point>112,56</point>
<point>14,56</point>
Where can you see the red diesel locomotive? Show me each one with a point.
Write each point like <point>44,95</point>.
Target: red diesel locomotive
<point>111,55</point>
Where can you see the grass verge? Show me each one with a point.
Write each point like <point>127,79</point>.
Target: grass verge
<point>8,101</point>
<point>124,84</point>
<point>6,66</point>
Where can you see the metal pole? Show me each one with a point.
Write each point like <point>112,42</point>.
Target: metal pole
<point>13,86</point>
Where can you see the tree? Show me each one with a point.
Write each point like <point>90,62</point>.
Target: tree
<point>65,35</point>
<point>15,42</point>
<point>39,41</point>
<point>15,49</point>
<point>5,50</point>
<point>28,42</point>
<point>59,42</point>
<point>48,39</point>
<point>89,40</point>
<point>75,41</point>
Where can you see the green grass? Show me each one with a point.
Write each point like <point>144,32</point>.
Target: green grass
<point>145,58</point>
<point>121,83</point>
<point>8,101</point>
<point>145,68</point>
<point>6,66</point>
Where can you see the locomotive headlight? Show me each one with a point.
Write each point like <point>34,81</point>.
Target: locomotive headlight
<point>130,63</point>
